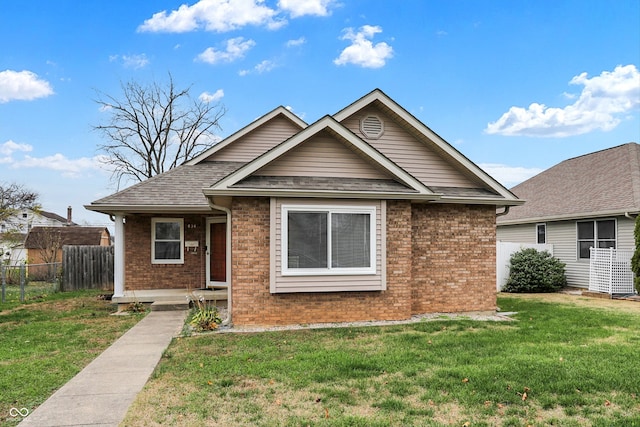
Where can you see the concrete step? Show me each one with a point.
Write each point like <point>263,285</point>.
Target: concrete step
<point>170,305</point>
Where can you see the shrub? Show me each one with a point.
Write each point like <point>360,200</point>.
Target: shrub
<point>635,260</point>
<point>534,271</point>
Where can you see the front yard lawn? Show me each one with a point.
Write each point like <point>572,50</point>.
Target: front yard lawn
<point>557,364</point>
<point>47,340</point>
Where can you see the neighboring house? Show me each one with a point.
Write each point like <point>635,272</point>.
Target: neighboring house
<point>587,201</point>
<point>44,244</point>
<point>363,215</point>
<point>13,231</point>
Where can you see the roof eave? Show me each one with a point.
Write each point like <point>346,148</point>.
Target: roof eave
<point>570,217</point>
<point>329,194</point>
<point>156,209</point>
<point>497,201</point>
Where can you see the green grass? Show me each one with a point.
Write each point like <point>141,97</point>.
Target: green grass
<point>557,364</point>
<point>47,340</point>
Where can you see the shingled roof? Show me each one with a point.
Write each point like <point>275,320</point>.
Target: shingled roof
<point>602,183</point>
<point>73,235</point>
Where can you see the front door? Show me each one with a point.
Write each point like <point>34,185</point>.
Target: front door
<point>217,252</point>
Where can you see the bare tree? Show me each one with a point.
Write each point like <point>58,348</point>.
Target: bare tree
<point>14,197</point>
<point>154,128</point>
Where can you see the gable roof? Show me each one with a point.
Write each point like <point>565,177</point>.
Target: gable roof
<point>72,235</point>
<point>428,137</point>
<point>192,186</point>
<point>261,121</point>
<point>232,184</point>
<point>603,183</point>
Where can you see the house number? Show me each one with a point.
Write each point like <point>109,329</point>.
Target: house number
<point>192,225</point>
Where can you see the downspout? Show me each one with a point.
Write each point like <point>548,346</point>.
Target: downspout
<point>226,321</point>
<point>628,215</point>
<point>506,211</point>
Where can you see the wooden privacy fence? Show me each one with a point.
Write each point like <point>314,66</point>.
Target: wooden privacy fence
<point>87,267</point>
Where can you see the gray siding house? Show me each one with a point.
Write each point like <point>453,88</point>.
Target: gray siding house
<point>587,201</point>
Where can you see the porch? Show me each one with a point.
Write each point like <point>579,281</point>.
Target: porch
<point>163,299</point>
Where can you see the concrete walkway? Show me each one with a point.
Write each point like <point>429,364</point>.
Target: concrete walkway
<point>102,392</point>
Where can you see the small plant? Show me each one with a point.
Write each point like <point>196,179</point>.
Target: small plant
<point>205,315</point>
<point>136,307</point>
<point>534,271</point>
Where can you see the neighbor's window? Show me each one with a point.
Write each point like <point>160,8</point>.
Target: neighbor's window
<point>595,234</point>
<point>332,240</point>
<point>167,235</point>
<point>541,233</point>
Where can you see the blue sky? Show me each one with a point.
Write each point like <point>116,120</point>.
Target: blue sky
<point>516,86</point>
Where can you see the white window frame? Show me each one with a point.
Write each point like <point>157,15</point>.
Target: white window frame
<point>154,221</point>
<point>596,238</point>
<point>329,270</point>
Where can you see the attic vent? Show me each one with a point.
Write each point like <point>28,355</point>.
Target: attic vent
<point>372,127</point>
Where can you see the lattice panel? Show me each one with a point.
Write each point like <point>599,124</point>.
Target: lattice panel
<point>610,271</point>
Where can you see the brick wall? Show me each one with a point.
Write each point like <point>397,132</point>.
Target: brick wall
<point>454,258</point>
<point>253,304</point>
<point>140,273</point>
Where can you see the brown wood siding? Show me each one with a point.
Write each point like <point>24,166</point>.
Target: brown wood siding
<point>409,153</point>
<point>322,156</point>
<point>257,142</point>
<point>328,283</point>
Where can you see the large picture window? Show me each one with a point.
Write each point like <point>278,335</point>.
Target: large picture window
<point>328,240</point>
<point>167,236</point>
<point>595,234</point>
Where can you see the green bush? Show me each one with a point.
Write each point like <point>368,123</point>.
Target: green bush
<point>534,271</point>
<point>635,260</point>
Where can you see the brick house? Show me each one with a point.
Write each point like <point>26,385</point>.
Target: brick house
<point>363,215</point>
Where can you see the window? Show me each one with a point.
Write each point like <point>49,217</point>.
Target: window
<point>328,240</point>
<point>167,235</point>
<point>541,233</point>
<point>595,234</point>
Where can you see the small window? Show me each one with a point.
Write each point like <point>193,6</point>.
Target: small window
<point>167,237</point>
<point>541,233</point>
<point>328,240</point>
<point>595,234</point>
<point>372,127</point>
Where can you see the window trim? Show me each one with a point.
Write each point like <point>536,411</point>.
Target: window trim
<point>154,221</point>
<point>329,271</point>
<point>541,224</point>
<point>595,239</point>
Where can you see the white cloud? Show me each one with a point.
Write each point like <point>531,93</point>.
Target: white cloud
<point>135,61</point>
<point>10,147</point>
<point>296,42</point>
<point>131,61</point>
<point>362,51</point>
<point>22,85</point>
<point>297,8</point>
<point>58,162</point>
<point>207,97</point>
<point>509,175</point>
<point>235,49</point>
<point>263,67</point>
<point>213,15</point>
<point>603,101</point>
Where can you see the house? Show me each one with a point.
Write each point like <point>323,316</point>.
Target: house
<point>44,244</point>
<point>587,201</point>
<point>14,229</point>
<point>366,214</point>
